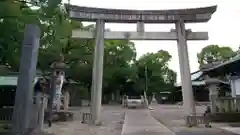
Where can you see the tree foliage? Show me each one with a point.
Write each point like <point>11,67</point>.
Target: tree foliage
<point>122,71</point>
<point>155,67</point>
<point>213,53</point>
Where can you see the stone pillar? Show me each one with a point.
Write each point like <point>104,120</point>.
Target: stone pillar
<point>66,100</point>
<point>235,91</point>
<point>58,105</point>
<point>187,92</point>
<point>113,96</point>
<point>96,97</point>
<point>233,88</point>
<point>154,101</point>
<point>124,101</point>
<point>118,95</point>
<point>213,93</point>
<point>42,106</point>
<point>145,99</point>
<point>237,103</point>
<point>41,103</point>
<point>27,72</point>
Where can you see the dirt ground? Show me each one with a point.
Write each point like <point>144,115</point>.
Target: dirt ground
<point>112,117</point>
<point>172,116</point>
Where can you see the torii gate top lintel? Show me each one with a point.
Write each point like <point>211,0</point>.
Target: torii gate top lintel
<point>193,15</point>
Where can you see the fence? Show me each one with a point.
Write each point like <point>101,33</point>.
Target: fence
<point>198,119</point>
<point>36,116</point>
<point>228,104</point>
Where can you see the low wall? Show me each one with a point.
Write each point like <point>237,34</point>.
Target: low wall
<point>225,117</point>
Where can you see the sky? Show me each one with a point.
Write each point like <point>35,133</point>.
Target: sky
<point>223,28</point>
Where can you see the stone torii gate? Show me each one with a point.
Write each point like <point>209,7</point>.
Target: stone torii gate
<point>180,34</point>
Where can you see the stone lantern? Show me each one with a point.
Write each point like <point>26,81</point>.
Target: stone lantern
<point>154,101</point>
<point>58,76</point>
<point>213,87</point>
<point>59,64</point>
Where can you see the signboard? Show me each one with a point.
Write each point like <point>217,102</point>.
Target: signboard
<point>121,17</point>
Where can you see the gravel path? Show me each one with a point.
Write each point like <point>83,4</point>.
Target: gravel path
<point>172,116</point>
<point>112,118</point>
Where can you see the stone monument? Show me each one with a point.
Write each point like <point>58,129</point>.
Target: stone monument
<point>24,94</point>
<point>181,35</point>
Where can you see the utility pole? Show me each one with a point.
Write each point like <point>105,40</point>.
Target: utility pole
<point>146,86</point>
<point>146,79</point>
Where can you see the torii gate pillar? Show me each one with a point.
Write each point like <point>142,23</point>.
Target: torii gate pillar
<point>187,92</point>
<point>97,76</point>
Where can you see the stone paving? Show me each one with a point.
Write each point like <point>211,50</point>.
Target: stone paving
<point>140,122</point>
<point>235,130</point>
<point>169,120</point>
<point>111,117</point>
<point>172,116</point>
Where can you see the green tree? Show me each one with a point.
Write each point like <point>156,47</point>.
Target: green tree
<point>119,54</point>
<point>159,76</point>
<point>121,70</point>
<point>13,19</point>
<point>213,53</point>
<point>11,34</point>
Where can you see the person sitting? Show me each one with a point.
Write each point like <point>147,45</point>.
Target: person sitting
<point>207,111</point>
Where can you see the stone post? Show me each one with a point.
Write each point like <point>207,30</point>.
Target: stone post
<point>113,96</point>
<point>235,91</point>
<point>58,103</point>
<point>187,92</point>
<point>66,100</point>
<point>117,95</point>
<point>96,96</point>
<point>27,72</point>
<point>51,98</point>
<point>145,99</point>
<point>233,87</point>
<point>42,105</point>
<point>212,84</point>
<point>154,101</point>
<point>124,101</point>
<point>237,103</point>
